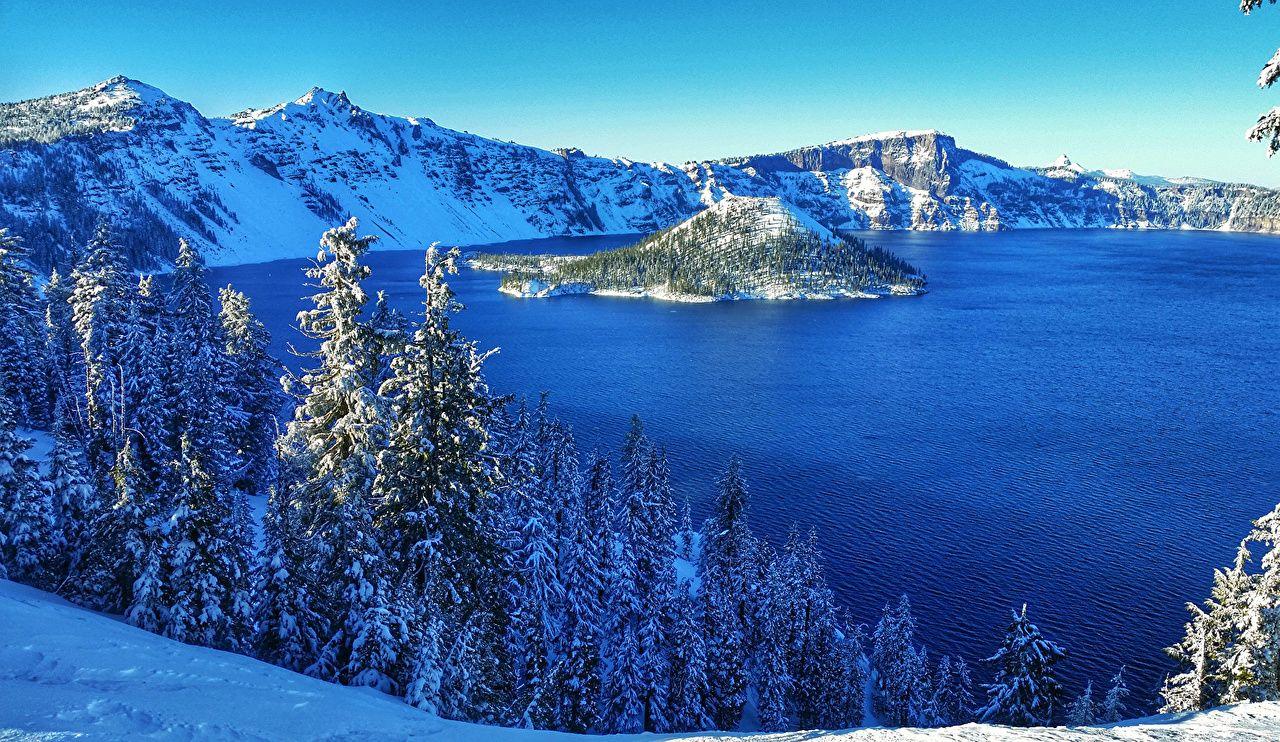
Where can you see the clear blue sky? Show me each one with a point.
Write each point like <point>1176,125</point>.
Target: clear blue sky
<point>1164,88</point>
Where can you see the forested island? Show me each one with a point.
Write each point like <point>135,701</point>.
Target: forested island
<point>740,248</point>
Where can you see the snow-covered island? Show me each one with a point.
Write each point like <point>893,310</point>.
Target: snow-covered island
<point>739,248</point>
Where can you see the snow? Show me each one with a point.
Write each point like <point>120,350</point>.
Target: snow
<point>882,135</point>
<point>264,183</point>
<point>68,673</point>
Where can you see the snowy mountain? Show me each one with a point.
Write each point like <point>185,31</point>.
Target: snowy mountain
<point>741,247</point>
<point>263,183</point>
<point>66,672</point>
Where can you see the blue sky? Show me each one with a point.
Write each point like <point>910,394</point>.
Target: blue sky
<point>1163,88</point>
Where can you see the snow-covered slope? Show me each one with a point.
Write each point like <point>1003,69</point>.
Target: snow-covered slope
<point>741,247</point>
<point>67,673</point>
<point>264,183</point>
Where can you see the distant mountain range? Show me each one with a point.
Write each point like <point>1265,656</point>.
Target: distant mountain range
<point>263,183</point>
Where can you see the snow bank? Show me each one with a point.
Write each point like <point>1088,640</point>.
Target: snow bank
<point>70,673</point>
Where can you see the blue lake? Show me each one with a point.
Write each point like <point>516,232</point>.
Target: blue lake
<point>1085,421</point>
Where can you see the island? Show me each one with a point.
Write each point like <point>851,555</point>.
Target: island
<point>739,248</point>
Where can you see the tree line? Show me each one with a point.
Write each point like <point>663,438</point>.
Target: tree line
<point>420,534</point>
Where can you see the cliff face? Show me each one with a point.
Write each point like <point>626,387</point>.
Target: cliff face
<point>263,183</point>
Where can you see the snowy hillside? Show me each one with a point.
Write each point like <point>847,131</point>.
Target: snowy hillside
<point>69,673</point>
<point>262,183</point>
<point>739,248</point>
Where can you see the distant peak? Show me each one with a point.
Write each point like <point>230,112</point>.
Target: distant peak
<point>318,96</point>
<point>122,84</point>
<point>1065,163</point>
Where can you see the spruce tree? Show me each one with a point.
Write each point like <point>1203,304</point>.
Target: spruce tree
<point>726,566</point>
<point>24,370</point>
<point>1025,691</point>
<point>66,375</point>
<point>100,313</point>
<point>26,527</point>
<point>1081,712</point>
<point>70,496</point>
<point>436,480</point>
<point>953,692</point>
<point>894,664</point>
<point>255,390</point>
<point>689,689</point>
<point>286,622</point>
<point>1113,705</point>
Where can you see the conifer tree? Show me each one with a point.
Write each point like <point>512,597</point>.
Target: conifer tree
<point>120,545</point>
<point>688,690</point>
<point>436,480</point>
<point>1025,691</point>
<point>894,663</point>
<point>367,638</point>
<point>1215,656</point>
<point>1081,711</point>
<point>63,351</point>
<point>70,496</point>
<point>339,426</point>
<point>286,621</point>
<point>205,561</point>
<point>1113,705</point>
<point>23,365</point>
<point>255,393</point>
<point>953,692</point>
<point>773,679</point>
<point>726,565</point>
<point>100,312</point>
<point>26,526</point>
<point>849,696</point>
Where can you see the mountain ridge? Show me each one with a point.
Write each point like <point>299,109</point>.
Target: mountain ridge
<point>262,183</point>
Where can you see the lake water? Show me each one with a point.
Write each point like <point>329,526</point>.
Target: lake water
<point>1085,421</point>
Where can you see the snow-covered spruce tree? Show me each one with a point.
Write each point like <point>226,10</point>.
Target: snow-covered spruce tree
<point>24,370</point>
<point>370,635</point>
<point>338,428</point>
<point>1267,128</point>
<point>70,496</point>
<point>687,696</point>
<point>625,704</point>
<point>100,312</point>
<point>1218,649</point>
<point>152,388</point>
<point>1258,660</point>
<point>893,663</point>
<point>725,567</point>
<point>686,534</point>
<point>26,526</point>
<point>206,565</point>
<point>1025,691</point>
<point>537,609</point>
<point>806,609</point>
<point>391,331</point>
<point>772,676</point>
<point>584,612</point>
<point>254,387</point>
<point>1081,712</point>
<point>120,543</point>
<point>647,581</point>
<point>64,354</point>
<point>208,547</point>
<point>952,692</point>
<point>286,621</point>
<point>1113,704</point>
<point>850,704</point>
<point>435,488</point>
<point>920,709</point>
